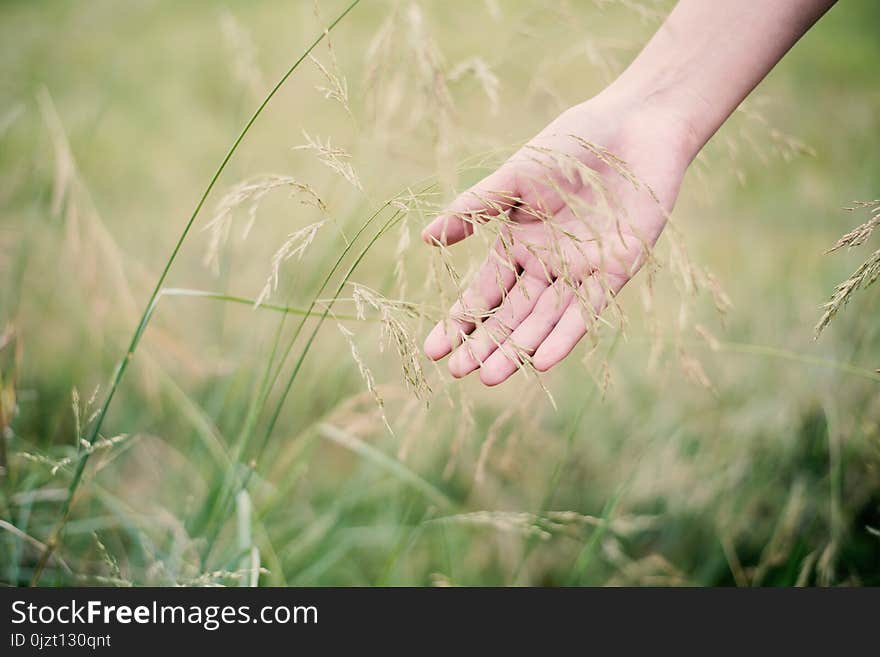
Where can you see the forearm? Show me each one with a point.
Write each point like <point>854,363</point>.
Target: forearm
<point>708,56</point>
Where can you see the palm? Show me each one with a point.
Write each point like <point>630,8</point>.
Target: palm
<point>576,210</point>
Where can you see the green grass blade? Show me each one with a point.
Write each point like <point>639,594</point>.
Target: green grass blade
<point>387,463</point>
<point>154,296</point>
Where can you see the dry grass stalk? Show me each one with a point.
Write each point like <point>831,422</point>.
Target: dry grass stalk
<point>408,203</point>
<point>379,58</point>
<point>465,425</point>
<point>110,562</point>
<point>770,140</point>
<point>293,247</point>
<point>333,157</point>
<point>552,523</point>
<point>394,330</point>
<point>337,85</point>
<point>860,234</point>
<point>366,375</point>
<point>249,193</point>
<point>863,277</point>
<point>406,81</point>
<point>400,252</point>
<point>54,465</point>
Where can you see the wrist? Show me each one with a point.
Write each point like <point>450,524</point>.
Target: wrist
<point>664,113</point>
<point>662,107</point>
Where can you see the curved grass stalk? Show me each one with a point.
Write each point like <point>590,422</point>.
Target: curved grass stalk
<point>119,373</point>
<point>270,377</point>
<point>388,224</point>
<point>245,301</point>
<point>751,349</point>
<point>804,359</point>
<point>229,486</point>
<point>387,463</point>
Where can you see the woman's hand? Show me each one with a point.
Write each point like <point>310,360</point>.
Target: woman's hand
<point>576,221</point>
<point>577,208</point>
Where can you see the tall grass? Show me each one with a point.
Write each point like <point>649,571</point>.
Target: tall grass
<point>281,425</point>
<point>119,373</point>
<point>866,274</point>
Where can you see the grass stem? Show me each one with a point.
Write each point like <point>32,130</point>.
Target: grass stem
<point>121,368</point>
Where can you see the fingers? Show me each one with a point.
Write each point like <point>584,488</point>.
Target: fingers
<point>487,198</point>
<point>517,305</point>
<point>575,321</point>
<point>496,276</point>
<point>529,335</point>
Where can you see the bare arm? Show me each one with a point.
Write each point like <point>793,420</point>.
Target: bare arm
<point>708,56</point>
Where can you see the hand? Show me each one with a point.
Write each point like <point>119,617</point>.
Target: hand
<point>576,210</point>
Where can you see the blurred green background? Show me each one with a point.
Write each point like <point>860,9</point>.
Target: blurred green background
<point>113,118</point>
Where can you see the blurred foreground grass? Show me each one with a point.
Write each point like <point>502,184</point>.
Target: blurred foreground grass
<point>111,122</point>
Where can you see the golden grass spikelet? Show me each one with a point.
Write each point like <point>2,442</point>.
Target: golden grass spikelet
<point>465,425</point>
<point>720,298</point>
<point>863,277</point>
<point>366,374</point>
<point>516,522</point>
<point>408,202</point>
<point>379,52</point>
<point>81,416</point>
<point>333,157</point>
<point>860,234</point>
<point>337,85</point>
<point>400,252</point>
<point>545,526</point>
<point>77,419</point>
<point>770,141</point>
<point>615,163</point>
<point>436,99</point>
<point>293,247</point>
<point>55,465</point>
<point>249,193</point>
<point>109,561</point>
<point>395,330</point>
<point>427,56</point>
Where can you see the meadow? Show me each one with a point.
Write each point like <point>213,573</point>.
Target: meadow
<point>277,423</point>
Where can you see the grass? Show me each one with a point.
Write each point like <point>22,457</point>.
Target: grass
<point>96,423</point>
<point>245,445</point>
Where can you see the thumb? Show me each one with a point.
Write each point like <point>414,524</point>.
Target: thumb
<point>488,198</point>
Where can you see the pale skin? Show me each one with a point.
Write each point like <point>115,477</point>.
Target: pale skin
<point>556,264</point>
